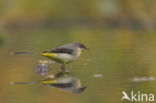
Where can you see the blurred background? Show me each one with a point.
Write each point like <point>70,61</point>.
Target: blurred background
<point>121,35</point>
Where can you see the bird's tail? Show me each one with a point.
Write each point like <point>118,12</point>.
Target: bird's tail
<point>45,81</point>
<point>22,53</point>
<point>28,83</point>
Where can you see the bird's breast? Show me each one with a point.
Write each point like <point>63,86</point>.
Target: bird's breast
<point>78,52</point>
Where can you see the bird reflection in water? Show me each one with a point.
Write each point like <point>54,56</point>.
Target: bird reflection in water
<point>62,80</point>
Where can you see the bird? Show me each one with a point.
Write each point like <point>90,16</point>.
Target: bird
<point>64,54</point>
<point>62,80</point>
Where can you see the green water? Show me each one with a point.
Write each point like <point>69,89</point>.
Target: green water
<point>117,55</point>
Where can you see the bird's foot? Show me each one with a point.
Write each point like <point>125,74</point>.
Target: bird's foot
<point>66,71</point>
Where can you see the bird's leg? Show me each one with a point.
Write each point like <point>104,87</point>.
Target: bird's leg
<point>63,68</point>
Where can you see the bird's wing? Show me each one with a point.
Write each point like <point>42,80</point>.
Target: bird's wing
<point>60,50</point>
<point>63,85</point>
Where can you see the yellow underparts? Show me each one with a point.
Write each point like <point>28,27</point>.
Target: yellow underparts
<point>51,55</point>
<point>48,81</point>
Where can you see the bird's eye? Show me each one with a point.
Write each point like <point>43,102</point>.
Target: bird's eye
<point>82,46</point>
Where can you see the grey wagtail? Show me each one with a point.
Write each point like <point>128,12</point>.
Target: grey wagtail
<point>62,80</point>
<point>63,54</point>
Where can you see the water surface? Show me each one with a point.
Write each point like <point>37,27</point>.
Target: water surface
<point>117,55</point>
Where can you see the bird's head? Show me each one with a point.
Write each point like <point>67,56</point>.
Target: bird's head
<point>81,89</point>
<point>80,45</point>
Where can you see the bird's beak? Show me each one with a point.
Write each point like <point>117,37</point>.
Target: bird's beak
<point>86,48</point>
<point>81,89</point>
